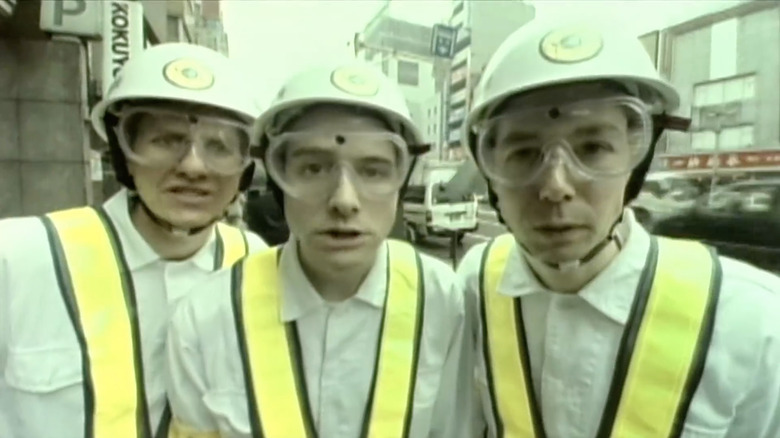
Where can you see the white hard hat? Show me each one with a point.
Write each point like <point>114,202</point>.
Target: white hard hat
<point>354,83</point>
<point>542,54</point>
<point>179,72</point>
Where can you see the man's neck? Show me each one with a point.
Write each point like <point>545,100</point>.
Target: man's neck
<point>334,285</point>
<point>571,282</point>
<point>167,245</point>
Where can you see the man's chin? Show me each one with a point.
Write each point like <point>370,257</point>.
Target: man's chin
<point>562,253</point>
<point>346,258</point>
<point>188,222</point>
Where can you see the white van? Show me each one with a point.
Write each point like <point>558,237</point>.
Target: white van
<point>429,211</point>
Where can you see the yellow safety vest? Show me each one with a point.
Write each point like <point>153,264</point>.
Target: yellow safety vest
<point>97,288</point>
<point>271,352</point>
<point>661,355</point>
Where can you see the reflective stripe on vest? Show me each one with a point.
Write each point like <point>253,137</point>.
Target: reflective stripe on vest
<point>100,300</point>
<point>89,264</point>
<point>661,356</point>
<point>271,351</point>
<point>231,245</point>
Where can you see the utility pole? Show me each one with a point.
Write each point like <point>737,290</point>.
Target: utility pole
<point>719,115</point>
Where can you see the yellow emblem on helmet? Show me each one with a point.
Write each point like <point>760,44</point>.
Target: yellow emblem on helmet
<point>356,81</point>
<point>189,74</point>
<point>571,44</point>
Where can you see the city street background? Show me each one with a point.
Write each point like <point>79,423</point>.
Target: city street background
<point>489,227</point>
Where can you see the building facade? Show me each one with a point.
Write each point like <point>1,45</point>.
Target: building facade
<point>403,52</point>
<point>727,68</point>
<point>209,30</point>
<point>50,157</point>
<point>482,27</point>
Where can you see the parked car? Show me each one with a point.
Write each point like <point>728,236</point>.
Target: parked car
<point>664,194</point>
<point>649,207</point>
<point>742,220</point>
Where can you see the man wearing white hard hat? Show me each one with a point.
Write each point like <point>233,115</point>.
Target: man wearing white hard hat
<point>86,293</point>
<point>586,325</point>
<point>340,332</point>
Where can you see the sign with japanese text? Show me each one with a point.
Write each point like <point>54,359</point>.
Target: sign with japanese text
<point>722,161</point>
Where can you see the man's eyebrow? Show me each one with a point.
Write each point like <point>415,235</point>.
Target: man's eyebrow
<point>308,150</point>
<point>517,135</point>
<point>597,128</point>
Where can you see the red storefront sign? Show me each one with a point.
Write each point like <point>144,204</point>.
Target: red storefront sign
<point>722,161</point>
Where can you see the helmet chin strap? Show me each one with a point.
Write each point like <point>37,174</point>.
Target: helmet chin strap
<point>614,235</point>
<point>168,226</point>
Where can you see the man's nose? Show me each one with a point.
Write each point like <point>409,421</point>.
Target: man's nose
<point>344,199</point>
<point>192,164</point>
<point>555,182</point>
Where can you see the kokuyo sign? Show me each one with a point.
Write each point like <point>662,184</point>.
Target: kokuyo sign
<point>123,35</point>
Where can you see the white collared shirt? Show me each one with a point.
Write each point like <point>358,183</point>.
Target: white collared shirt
<point>573,341</point>
<point>338,344</point>
<point>41,391</point>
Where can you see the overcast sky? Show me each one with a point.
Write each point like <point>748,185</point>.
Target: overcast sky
<point>272,39</point>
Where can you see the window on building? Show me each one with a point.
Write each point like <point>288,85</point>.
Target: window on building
<point>458,96</point>
<point>408,73</point>
<point>454,135</point>
<point>720,120</point>
<point>385,65</point>
<point>173,29</point>
<point>703,140</point>
<point>725,91</point>
<point>736,137</point>
<point>457,115</point>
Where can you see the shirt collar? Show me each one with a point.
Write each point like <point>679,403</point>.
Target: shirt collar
<point>300,297</point>
<point>137,252</point>
<point>611,292</point>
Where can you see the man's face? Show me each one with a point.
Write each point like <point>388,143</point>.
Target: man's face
<point>186,193</point>
<point>561,215</point>
<point>343,227</point>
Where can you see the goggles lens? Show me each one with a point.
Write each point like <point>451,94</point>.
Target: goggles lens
<point>311,166</point>
<point>159,138</point>
<point>595,139</point>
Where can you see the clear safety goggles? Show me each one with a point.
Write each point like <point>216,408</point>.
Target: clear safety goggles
<point>594,139</point>
<point>311,166</point>
<point>163,138</point>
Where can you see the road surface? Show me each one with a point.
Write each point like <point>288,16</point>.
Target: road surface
<point>489,227</point>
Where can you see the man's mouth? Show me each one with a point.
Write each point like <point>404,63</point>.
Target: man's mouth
<point>188,191</point>
<point>559,228</point>
<point>342,234</point>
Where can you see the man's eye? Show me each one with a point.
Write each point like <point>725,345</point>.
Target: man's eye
<point>594,147</point>
<point>169,140</point>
